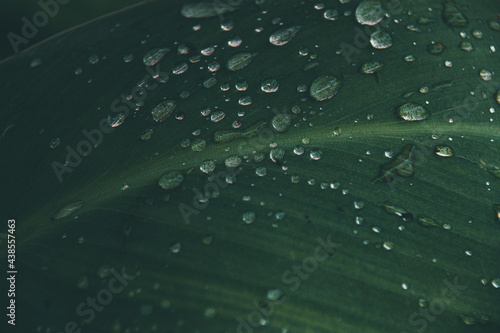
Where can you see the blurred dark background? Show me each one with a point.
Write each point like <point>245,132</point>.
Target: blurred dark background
<point>73,13</point>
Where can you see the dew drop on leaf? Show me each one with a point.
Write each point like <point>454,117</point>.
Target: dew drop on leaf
<point>324,87</point>
<point>369,12</point>
<point>413,112</point>
<point>171,180</point>
<point>283,36</point>
<point>152,57</point>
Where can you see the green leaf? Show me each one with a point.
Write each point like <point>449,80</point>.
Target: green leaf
<point>348,254</point>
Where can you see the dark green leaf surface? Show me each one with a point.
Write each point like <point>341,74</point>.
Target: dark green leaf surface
<point>359,288</point>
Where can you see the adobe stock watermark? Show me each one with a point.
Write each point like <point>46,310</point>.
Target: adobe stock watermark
<point>263,137</point>
<point>103,298</point>
<point>211,189</point>
<point>362,38</point>
<point>436,307</point>
<point>29,30</point>
<point>460,111</point>
<point>293,278</point>
<point>121,107</point>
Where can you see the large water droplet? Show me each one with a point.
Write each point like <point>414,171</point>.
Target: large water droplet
<point>239,61</point>
<point>369,12</point>
<point>413,112</point>
<point>171,180</point>
<point>324,87</point>
<point>153,56</point>
<point>283,36</point>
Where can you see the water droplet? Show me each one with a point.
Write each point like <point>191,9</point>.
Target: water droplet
<point>413,28</point>
<point>83,282</point>
<point>270,85</point>
<point>452,16</point>
<point>402,165</point>
<point>359,204</point>
<point>443,151</point>
<point>199,145</point>
<point>283,36</point>
<point>435,48</point>
<point>146,135</point>
<point>209,83</point>
<point>152,57</point>
<point>281,122</point>
<point>163,110</point>
<point>35,62</point>
<point>496,208</point>
<point>93,59</point>
<point>54,143</point>
<point>213,67</point>
<point>180,68</point>
<point>413,112</point>
<point>279,215</point>
<point>316,154</point>
<point>466,46</point>
<point>261,171</point>
<point>209,313</point>
<point>369,12</point>
<point>239,61</point>
<point>233,161</point>
<point>324,87</point>
<point>381,40</point>
<point>478,34</point>
<point>205,9</point>
<point>245,100</point>
<point>207,166</point>
<point>485,75</point>
<point>394,210</point>
<point>248,217</point>
<point>128,58</point>
<point>371,67</point>
<point>175,248</point>
<point>217,116</point>
<point>117,120</point>
<point>331,14</point>
<point>277,155</point>
<point>388,245</point>
<point>171,180</point>
<point>409,58</point>
<point>298,150</point>
<point>234,41</point>
<point>428,222</point>
<point>274,295</point>
<point>494,25</point>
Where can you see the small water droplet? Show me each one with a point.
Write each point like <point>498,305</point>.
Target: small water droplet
<point>316,154</point>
